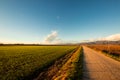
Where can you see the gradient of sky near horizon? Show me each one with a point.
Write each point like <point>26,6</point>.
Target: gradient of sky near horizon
<point>30,21</point>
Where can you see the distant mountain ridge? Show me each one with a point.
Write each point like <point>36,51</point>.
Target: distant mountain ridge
<point>103,42</point>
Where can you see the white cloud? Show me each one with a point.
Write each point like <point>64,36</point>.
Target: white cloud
<point>52,38</point>
<point>114,37</point>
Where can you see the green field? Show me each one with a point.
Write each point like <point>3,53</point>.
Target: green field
<point>23,62</point>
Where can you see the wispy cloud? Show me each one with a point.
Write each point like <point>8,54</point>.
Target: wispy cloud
<point>52,38</point>
<point>114,37</point>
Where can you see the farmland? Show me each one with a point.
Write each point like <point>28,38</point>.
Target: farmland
<point>109,49</point>
<point>56,62</point>
<point>25,62</point>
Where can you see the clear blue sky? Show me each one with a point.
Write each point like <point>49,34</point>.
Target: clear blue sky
<point>74,20</point>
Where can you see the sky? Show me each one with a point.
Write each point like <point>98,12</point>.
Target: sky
<point>58,21</point>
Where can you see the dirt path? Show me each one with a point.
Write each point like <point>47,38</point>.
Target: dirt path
<point>97,66</point>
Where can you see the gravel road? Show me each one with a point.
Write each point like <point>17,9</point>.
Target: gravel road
<point>97,66</point>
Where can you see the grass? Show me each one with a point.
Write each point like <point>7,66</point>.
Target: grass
<point>23,62</point>
<point>79,67</point>
<point>112,51</point>
<point>72,69</point>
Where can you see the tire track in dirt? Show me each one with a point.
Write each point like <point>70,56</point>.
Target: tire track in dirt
<point>97,66</point>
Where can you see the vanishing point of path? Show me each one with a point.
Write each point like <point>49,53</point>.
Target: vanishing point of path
<point>97,66</point>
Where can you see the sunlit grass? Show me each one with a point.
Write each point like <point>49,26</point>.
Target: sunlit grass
<point>18,62</point>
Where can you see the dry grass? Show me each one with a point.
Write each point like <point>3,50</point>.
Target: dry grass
<point>70,71</point>
<point>112,50</point>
